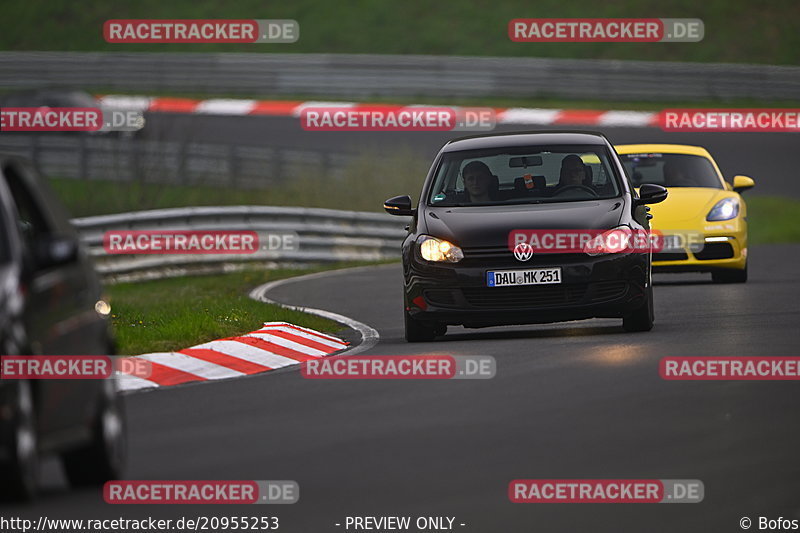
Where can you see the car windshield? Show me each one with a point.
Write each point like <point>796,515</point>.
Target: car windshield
<point>671,170</point>
<point>520,175</point>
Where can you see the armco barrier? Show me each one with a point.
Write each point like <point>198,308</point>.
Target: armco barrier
<point>325,235</point>
<point>364,75</point>
<point>182,162</point>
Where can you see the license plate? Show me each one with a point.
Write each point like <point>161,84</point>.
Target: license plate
<point>539,276</point>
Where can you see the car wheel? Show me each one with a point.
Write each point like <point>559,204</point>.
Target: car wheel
<point>417,331</point>
<point>20,471</point>
<point>641,318</point>
<point>730,276</point>
<point>103,458</point>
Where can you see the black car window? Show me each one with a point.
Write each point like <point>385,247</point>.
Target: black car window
<point>671,170</point>
<point>531,174</point>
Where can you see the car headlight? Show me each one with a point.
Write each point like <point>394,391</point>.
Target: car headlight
<point>615,240</point>
<point>725,209</point>
<point>439,250</point>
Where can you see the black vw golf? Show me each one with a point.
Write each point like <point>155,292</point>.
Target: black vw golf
<point>524,228</point>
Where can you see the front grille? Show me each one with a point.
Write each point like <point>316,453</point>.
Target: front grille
<point>489,252</point>
<point>715,250</point>
<point>670,256</point>
<point>499,256</point>
<point>530,296</point>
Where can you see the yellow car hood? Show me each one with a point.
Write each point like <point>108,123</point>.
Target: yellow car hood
<point>686,207</point>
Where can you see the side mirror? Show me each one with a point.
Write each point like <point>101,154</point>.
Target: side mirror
<point>742,183</point>
<point>399,205</point>
<point>650,193</point>
<point>55,250</point>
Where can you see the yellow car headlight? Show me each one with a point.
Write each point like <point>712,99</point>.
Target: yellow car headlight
<point>439,250</point>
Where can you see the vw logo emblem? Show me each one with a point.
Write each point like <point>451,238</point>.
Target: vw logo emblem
<point>523,251</point>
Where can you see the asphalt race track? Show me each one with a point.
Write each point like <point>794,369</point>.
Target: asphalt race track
<point>575,400</point>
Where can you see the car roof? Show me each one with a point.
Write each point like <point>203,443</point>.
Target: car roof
<point>525,138</point>
<point>662,149</point>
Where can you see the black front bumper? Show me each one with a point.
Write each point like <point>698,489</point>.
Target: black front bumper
<point>607,286</point>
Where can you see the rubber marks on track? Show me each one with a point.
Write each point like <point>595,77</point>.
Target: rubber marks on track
<point>275,345</point>
<point>238,107</point>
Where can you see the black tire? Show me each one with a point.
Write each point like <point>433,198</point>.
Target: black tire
<point>21,471</point>
<point>103,458</point>
<point>417,331</point>
<point>641,318</point>
<point>730,276</point>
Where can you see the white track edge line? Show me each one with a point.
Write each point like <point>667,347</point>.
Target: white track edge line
<point>369,335</point>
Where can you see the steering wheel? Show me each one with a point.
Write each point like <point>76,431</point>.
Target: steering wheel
<point>582,187</point>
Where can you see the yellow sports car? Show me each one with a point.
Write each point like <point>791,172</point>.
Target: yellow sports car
<point>704,219</point>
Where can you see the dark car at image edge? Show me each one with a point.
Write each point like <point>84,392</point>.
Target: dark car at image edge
<point>452,288</point>
<point>51,304</point>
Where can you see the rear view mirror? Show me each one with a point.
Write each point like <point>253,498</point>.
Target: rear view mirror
<point>399,205</point>
<point>525,162</point>
<point>651,194</point>
<point>742,183</point>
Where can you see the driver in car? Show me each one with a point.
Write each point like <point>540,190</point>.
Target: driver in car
<point>573,172</point>
<point>675,175</point>
<point>478,182</point>
<point>574,180</point>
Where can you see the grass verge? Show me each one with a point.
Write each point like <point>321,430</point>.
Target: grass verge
<point>772,219</point>
<point>738,32</point>
<point>172,314</point>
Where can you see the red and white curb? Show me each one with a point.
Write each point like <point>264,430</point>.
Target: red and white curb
<point>275,345</point>
<point>242,107</point>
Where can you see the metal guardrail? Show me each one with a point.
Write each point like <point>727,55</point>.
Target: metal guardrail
<point>363,75</point>
<point>107,157</point>
<point>325,235</point>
